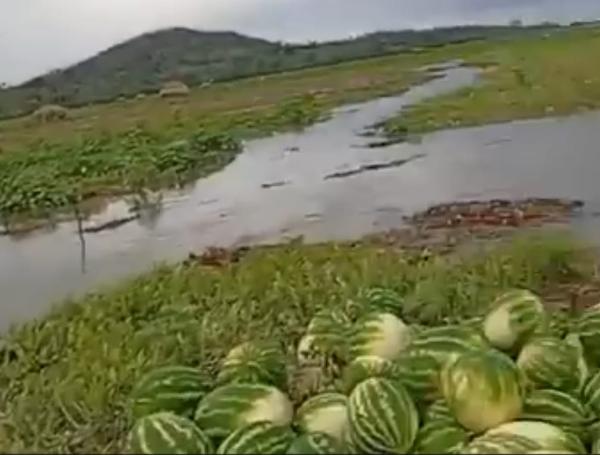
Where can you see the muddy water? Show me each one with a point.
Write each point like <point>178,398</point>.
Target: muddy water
<point>278,188</point>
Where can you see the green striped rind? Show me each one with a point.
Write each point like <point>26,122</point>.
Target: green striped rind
<point>558,408</point>
<point>583,368</point>
<point>176,389</point>
<point>500,444</point>
<point>382,299</point>
<point>515,316</point>
<point>166,433</point>
<point>548,362</point>
<point>366,367</point>
<point>382,417</point>
<point>420,375</point>
<point>325,413</point>
<point>440,437</point>
<point>591,394</point>
<point>330,330</point>
<point>379,334</point>
<point>258,437</point>
<point>483,389</point>
<point>545,435</point>
<point>588,329</point>
<point>439,412</point>
<point>261,362</point>
<point>445,342</point>
<point>315,443</point>
<point>232,406</point>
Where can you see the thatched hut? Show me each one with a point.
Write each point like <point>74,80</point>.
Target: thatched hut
<point>174,89</point>
<point>50,113</point>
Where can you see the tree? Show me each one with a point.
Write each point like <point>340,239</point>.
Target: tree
<point>516,23</point>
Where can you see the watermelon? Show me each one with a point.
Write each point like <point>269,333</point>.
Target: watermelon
<point>382,417</point>
<point>166,433</point>
<point>439,411</point>
<point>419,373</point>
<point>501,444</point>
<point>483,389</point>
<point>559,409</point>
<point>177,389</point>
<point>315,443</point>
<point>440,437</point>
<point>515,316</point>
<point>588,329</point>
<point>258,437</point>
<point>326,413</point>
<point>545,435</point>
<point>379,334</point>
<point>548,362</point>
<point>583,368</point>
<point>261,362</point>
<point>446,343</point>
<point>382,299</point>
<point>232,406</point>
<point>591,394</point>
<point>366,367</point>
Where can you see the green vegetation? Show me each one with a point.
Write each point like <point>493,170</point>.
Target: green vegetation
<point>521,79</point>
<point>142,64</point>
<point>65,379</point>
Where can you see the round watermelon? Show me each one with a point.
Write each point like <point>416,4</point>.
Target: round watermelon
<point>258,437</point>
<point>379,334</point>
<point>514,317</point>
<point>500,444</point>
<point>440,437</point>
<point>591,394</point>
<point>366,367</point>
<point>549,362</point>
<point>177,389</point>
<point>167,433</point>
<point>232,406</point>
<point>557,408</point>
<point>439,411</point>
<point>382,417</point>
<point>261,362</point>
<point>382,299</point>
<point>315,443</point>
<point>325,413</point>
<point>588,329</point>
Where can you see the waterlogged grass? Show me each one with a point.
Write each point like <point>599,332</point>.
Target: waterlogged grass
<point>64,381</point>
<point>521,79</point>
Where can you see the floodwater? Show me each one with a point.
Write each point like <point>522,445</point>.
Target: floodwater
<point>282,187</point>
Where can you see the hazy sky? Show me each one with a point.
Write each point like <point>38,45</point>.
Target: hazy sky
<point>40,35</point>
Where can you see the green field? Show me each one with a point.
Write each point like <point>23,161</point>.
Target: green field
<point>65,380</point>
<point>521,79</point>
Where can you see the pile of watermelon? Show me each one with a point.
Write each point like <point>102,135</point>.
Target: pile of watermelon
<point>366,382</point>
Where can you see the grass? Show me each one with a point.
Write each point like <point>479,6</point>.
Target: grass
<point>521,79</point>
<point>65,379</point>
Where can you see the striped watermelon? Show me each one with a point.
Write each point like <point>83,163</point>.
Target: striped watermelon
<point>166,433</point>
<point>419,373</point>
<point>379,334</point>
<point>448,341</point>
<point>262,362</point>
<point>549,362</point>
<point>439,411</point>
<point>329,331</point>
<point>483,389</point>
<point>382,417</point>
<point>258,437</point>
<point>366,367</point>
<point>545,435</point>
<point>591,394</point>
<point>501,444</point>
<point>588,329</point>
<point>514,318</point>
<point>326,413</point>
<point>232,406</point>
<point>440,437</point>
<point>559,409</point>
<point>177,389</point>
<point>382,299</point>
<point>583,368</point>
<point>315,443</point>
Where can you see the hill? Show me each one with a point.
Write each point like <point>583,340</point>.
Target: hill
<point>143,63</point>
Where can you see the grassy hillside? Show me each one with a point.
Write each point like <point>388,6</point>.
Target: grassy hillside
<point>143,63</point>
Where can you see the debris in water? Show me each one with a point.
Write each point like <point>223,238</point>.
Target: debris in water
<point>274,184</point>
<point>373,167</point>
<point>109,225</point>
